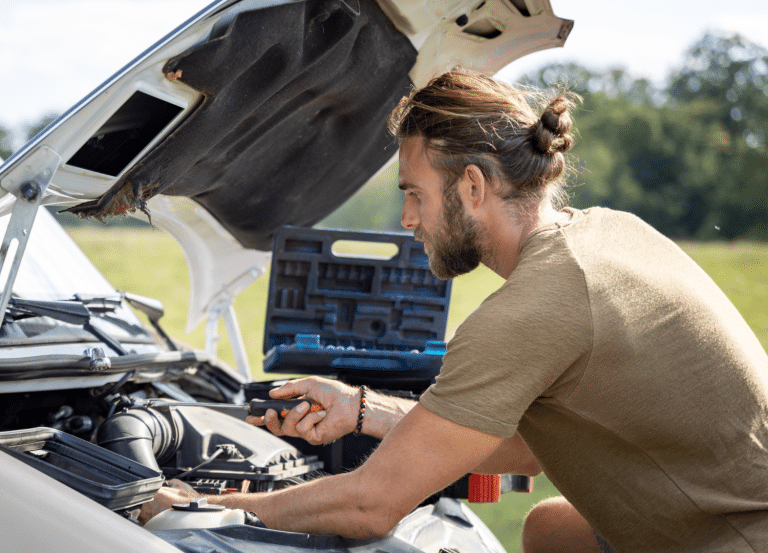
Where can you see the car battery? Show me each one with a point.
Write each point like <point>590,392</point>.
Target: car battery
<point>378,320</point>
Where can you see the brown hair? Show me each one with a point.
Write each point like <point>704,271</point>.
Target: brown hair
<point>468,118</point>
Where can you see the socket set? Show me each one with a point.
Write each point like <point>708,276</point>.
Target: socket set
<point>343,314</point>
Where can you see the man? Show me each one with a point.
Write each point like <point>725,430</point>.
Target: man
<point>607,358</point>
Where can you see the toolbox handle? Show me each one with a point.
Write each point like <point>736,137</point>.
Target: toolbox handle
<point>365,249</point>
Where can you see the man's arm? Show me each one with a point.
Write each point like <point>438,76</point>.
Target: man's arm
<point>418,457</point>
<point>341,404</point>
<point>513,456</point>
<point>382,413</point>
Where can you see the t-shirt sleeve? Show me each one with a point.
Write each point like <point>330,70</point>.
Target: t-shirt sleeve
<point>530,339</point>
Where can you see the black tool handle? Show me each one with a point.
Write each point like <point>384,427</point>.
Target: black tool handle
<point>258,407</point>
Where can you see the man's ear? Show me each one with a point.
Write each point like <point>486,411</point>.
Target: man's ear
<point>474,187</point>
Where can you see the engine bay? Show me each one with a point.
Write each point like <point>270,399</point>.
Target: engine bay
<point>91,437</point>
<point>109,445</point>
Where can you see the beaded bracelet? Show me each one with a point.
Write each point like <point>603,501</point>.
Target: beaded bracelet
<point>361,414</point>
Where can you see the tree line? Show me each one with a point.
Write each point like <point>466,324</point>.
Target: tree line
<point>690,156</point>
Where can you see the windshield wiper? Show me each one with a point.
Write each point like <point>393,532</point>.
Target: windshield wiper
<point>153,309</point>
<point>100,304</point>
<point>74,312</point>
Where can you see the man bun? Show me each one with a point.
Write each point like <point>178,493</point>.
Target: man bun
<point>551,133</point>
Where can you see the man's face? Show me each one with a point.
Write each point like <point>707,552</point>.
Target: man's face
<point>451,237</point>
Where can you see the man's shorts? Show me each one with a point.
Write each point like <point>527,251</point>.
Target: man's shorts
<point>603,545</point>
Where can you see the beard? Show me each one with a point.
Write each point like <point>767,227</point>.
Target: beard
<point>456,246</point>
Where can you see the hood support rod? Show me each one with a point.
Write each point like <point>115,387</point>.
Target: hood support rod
<point>28,181</point>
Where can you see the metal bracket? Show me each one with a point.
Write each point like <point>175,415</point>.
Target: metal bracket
<point>224,308</point>
<point>28,181</point>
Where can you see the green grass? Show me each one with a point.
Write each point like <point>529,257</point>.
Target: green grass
<point>741,271</point>
<point>150,263</point>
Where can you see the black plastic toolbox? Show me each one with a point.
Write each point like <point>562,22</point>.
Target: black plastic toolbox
<point>354,316</point>
<point>110,479</point>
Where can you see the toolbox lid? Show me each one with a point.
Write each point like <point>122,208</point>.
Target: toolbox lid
<point>367,311</point>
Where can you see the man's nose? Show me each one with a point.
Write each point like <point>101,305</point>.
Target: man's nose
<point>409,218</point>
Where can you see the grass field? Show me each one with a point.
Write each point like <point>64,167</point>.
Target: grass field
<point>150,263</point>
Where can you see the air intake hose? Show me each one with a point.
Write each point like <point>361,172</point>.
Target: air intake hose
<point>143,435</point>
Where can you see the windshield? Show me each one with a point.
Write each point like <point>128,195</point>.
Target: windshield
<point>53,267</point>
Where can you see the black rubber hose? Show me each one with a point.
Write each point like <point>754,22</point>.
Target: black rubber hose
<point>141,434</point>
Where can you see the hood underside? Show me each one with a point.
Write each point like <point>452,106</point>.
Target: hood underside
<point>292,119</point>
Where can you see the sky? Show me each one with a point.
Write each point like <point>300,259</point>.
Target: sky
<point>54,52</point>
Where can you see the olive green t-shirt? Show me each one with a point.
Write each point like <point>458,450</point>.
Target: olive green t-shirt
<point>638,386</point>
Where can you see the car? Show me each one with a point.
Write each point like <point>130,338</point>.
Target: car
<point>249,122</point>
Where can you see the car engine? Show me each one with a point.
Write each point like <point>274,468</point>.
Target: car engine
<point>214,452</point>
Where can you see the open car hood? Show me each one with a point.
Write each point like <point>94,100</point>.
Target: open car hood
<point>256,114</point>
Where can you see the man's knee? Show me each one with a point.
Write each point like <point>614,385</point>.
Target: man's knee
<point>555,525</point>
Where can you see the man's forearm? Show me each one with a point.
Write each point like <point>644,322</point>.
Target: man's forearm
<point>421,454</point>
<point>383,412</point>
<point>334,505</point>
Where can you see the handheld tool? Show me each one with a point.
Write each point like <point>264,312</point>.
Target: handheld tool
<point>256,407</point>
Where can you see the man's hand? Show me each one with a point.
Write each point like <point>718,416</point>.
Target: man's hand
<point>166,497</point>
<point>339,417</point>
